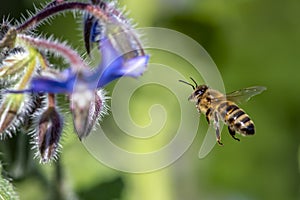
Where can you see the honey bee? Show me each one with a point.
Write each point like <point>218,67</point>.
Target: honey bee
<point>217,106</point>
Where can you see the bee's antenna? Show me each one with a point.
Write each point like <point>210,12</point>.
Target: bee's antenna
<point>187,84</point>
<point>194,81</point>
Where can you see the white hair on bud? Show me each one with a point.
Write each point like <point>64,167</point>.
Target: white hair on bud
<point>104,107</point>
<point>103,110</point>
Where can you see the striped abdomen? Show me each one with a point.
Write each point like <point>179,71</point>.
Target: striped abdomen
<point>236,119</point>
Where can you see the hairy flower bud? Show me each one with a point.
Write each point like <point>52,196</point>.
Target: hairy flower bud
<point>49,131</point>
<point>8,36</point>
<point>9,110</point>
<point>81,99</point>
<point>87,108</point>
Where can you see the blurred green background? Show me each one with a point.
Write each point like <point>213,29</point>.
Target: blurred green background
<point>253,42</point>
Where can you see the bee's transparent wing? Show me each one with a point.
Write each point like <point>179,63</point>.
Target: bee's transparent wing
<point>245,94</point>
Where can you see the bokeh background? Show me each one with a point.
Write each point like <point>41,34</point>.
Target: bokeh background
<point>253,42</point>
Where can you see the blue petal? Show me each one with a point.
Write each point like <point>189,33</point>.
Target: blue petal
<point>133,67</point>
<point>109,55</point>
<point>136,66</point>
<point>63,84</point>
<point>114,66</point>
<point>67,73</point>
<point>46,85</point>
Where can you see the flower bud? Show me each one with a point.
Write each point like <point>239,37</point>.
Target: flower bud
<point>81,100</point>
<point>49,132</point>
<point>8,36</point>
<point>9,109</point>
<point>86,109</point>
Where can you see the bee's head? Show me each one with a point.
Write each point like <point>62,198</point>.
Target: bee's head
<point>198,90</point>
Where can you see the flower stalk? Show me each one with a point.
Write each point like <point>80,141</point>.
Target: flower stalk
<point>66,52</point>
<point>55,9</point>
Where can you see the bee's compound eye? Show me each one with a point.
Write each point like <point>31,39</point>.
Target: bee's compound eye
<point>199,91</point>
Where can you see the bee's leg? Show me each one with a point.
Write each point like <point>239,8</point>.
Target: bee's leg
<point>232,133</point>
<point>217,127</point>
<point>208,115</point>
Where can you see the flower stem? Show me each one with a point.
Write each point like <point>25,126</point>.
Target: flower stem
<point>102,11</point>
<point>68,53</point>
<point>56,9</point>
<point>51,100</point>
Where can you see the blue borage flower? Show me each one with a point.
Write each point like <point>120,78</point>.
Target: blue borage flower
<point>82,84</point>
<point>112,66</point>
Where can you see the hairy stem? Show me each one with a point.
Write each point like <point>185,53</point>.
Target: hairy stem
<point>56,9</point>
<point>101,11</point>
<point>68,53</point>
